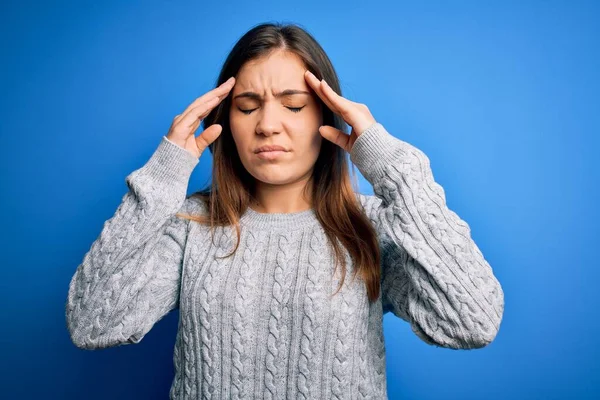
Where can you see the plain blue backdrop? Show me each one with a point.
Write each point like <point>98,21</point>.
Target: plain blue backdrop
<point>502,96</point>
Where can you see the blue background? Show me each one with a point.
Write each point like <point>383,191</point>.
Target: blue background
<point>502,96</point>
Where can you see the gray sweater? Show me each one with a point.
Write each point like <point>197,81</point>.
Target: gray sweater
<point>261,324</point>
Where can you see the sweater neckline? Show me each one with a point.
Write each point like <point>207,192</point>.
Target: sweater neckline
<point>294,220</point>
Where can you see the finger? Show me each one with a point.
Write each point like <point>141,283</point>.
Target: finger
<point>336,136</point>
<point>315,84</point>
<point>183,128</point>
<point>209,135</point>
<point>199,118</point>
<point>342,104</point>
<point>204,109</point>
<point>195,126</point>
<point>200,112</point>
<point>221,91</point>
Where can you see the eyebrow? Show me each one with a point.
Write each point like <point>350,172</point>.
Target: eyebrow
<point>287,92</point>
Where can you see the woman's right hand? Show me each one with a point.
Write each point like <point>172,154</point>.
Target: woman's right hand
<point>184,125</point>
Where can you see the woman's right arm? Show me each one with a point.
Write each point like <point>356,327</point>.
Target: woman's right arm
<point>129,279</point>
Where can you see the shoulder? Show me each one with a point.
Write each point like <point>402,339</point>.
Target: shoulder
<point>193,204</point>
<point>368,202</point>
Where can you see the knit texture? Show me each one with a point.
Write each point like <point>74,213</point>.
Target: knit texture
<point>262,323</point>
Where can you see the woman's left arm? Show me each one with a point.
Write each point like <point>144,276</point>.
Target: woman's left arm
<point>434,275</point>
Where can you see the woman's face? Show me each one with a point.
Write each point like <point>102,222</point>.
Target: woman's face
<point>260,115</point>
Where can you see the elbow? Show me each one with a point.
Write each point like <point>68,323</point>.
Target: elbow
<point>463,334</point>
<point>474,325</point>
<point>93,328</point>
<point>79,337</point>
<point>80,334</point>
<point>478,339</point>
<point>78,326</point>
<point>486,327</point>
<point>479,332</point>
<point>86,335</point>
<point>82,342</point>
<point>458,340</point>
<point>85,340</point>
<point>481,329</point>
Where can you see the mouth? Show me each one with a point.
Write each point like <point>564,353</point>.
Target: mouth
<point>270,155</point>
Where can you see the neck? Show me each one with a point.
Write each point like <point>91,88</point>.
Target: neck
<point>287,198</point>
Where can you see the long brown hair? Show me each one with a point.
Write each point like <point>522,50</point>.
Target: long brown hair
<point>339,212</point>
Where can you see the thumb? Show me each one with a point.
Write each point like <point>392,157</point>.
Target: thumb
<point>208,136</point>
<point>335,135</point>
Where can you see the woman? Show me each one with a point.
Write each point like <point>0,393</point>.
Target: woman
<point>258,313</point>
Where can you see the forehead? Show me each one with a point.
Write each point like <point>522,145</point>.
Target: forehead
<point>273,73</point>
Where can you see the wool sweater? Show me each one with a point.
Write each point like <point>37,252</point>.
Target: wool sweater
<point>262,323</point>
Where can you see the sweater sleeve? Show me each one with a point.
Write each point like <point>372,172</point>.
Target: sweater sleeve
<point>434,276</point>
<point>129,278</point>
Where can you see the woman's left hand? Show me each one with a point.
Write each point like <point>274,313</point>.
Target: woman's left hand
<point>356,115</point>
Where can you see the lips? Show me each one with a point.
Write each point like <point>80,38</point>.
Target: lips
<point>271,147</point>
<point>271,155</point>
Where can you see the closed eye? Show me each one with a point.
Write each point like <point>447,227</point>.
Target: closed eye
<point>292,109</point>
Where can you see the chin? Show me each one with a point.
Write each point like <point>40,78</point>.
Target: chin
<point>273,177</point>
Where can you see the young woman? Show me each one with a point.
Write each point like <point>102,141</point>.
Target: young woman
<point>251,262</point>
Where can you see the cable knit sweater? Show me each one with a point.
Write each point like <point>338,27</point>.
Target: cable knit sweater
<point>261,324</point>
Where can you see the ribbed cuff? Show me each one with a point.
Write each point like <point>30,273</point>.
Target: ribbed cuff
<point>375,149</point>
<point>170,164</point>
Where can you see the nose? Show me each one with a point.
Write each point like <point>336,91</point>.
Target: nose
<point>270,115</point>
